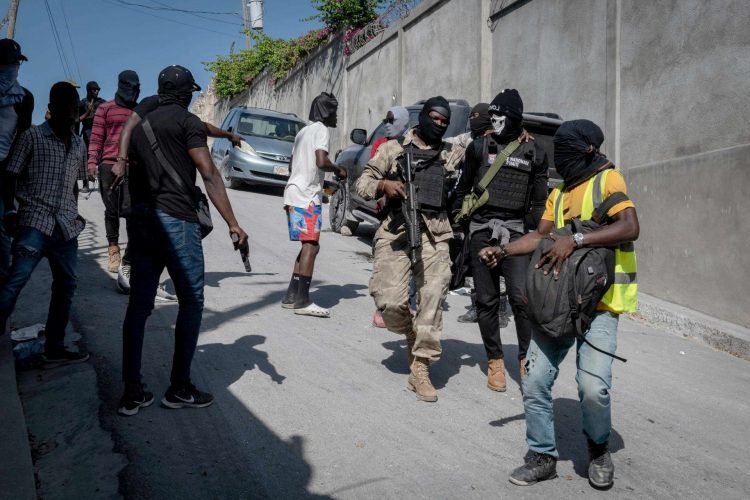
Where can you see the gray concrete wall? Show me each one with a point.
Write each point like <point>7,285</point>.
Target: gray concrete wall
<point>667,81</point>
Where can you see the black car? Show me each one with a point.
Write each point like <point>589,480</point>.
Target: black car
<point>348,209</point>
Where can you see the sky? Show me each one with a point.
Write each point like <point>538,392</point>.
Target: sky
<point>100,38</point>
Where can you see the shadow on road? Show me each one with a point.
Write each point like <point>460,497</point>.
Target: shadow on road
<point>330,295</point>
<point>569,437</point>
<point>225,451</point>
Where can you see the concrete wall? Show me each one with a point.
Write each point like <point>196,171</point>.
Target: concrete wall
<point>666,80</point>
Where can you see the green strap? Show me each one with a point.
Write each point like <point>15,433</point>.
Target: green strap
<point>499,162</point>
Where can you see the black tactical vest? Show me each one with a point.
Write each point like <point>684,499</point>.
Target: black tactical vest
<point>510,188</point>
<point>429,177</point>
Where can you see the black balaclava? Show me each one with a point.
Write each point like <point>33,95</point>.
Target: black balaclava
<point>506,107</point>
<point>428,130</point>
<point>91,87</point>
<point>573,160</point>
<point>481,123</point>
<point>128,88</point>
<point>323,107</point>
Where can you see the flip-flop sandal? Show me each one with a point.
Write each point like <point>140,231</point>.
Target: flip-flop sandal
<point>313,310</point>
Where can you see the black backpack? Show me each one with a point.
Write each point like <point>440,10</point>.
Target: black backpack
<point>565,307</point>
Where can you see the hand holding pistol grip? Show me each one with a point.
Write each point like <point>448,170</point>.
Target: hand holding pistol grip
<point>244,252</point>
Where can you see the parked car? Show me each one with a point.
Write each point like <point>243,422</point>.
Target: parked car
<point>267,142</point>
<point>348,209</point>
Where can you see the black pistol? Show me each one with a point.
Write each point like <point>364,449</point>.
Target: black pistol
<point>244,252</point>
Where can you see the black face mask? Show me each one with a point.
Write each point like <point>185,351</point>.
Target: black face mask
<point>573,160</point>
<point>181,97</point>
<point>481,123</point>
<point>510,132</point>
<point>128,89</point>
<point>431,132</point>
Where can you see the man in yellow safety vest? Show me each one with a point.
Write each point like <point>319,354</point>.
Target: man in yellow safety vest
<point>588,179</point>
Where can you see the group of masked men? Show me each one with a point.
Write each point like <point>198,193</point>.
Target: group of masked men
<point>518,211</point>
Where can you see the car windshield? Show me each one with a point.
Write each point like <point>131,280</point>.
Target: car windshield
<point>269,126</point>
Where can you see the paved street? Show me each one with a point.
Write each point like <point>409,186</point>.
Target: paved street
<point>309,407</point>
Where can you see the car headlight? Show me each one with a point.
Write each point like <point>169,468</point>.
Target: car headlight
<point>247,148</point>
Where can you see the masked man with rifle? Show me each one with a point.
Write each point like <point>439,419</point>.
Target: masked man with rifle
<point>413,238</point>
<point>501,194</point>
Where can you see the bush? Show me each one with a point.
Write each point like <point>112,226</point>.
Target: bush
<point>342,14</point>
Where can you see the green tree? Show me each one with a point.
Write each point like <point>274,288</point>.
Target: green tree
<point>342,14</point>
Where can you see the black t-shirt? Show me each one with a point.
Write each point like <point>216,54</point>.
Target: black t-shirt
<point>177,131</point>
<point>83,106</point>
<point>147,105</point>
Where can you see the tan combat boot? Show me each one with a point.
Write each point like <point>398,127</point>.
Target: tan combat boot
<point>496,375</point>
<point>419,381</point>
<point>114,258</point>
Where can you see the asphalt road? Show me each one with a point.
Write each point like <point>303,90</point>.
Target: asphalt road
<point>309,407</point>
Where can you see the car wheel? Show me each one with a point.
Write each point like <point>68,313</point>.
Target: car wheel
<point>339,205</point>
<point>226,174</point>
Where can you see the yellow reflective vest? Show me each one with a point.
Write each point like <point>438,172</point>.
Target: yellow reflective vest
<point>622,296</point>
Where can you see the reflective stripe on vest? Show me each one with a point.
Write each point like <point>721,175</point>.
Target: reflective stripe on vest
<point>622,296</point>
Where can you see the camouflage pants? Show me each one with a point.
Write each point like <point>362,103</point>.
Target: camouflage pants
<point>389,286</point>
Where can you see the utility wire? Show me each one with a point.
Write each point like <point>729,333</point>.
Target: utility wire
<point>58,44</point>
<point>123,6</point>
<point>70,39</point>
<point>175,9</point>
<point>212,19</point>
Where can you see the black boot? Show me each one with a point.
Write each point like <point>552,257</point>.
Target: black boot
<point>471,314</point>
<point>538,467</point>
<point>601,468</point>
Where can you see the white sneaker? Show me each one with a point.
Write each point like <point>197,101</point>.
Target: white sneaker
<point>164,296</point>
<point>123,279</point>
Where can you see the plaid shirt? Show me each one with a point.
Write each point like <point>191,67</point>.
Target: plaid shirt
<point>47,174</point>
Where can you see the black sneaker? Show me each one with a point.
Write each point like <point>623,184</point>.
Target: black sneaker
<point>601,468</point>
<point>134,398</point>
<point>538,467</point>
<point>186,396</point>
<point>59,357</point>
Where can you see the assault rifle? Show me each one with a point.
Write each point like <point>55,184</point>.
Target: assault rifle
<point>410,210</point>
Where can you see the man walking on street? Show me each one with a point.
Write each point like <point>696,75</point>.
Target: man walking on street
<point>16,109</point>
<point>108,122</point>
<point>517,191</point>
<point>43,173</point>
<point>587,176</point>
<point>302,201</point>
<point>433,161</point>
<point>167,149</point>
<point>86,110</point>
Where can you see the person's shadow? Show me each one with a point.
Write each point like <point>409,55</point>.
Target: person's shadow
<point>240,357</point>
<point>329,295</point>
<point>569,437</point>
<point>456,353</point>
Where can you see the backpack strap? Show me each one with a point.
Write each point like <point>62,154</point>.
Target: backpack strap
<point>600,211</point>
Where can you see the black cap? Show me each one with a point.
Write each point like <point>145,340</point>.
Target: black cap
<point>177,78</point>
<point>508,102</point>
<point>92,85</point>
<point>10,52</point>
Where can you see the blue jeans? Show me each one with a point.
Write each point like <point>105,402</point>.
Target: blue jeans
<point>593,375</point>
<point>158,240</point>
<point>29,247</point>
<point>5,244</point>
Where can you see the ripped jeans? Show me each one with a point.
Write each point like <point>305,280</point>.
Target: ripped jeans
<point>593,375</point>
<point>29,247</point>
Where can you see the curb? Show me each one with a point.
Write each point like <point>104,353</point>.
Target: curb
<point>721,335</point>
<point>17,470</point>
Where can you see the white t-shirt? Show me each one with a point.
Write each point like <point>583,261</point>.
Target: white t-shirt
<point>305,182</point>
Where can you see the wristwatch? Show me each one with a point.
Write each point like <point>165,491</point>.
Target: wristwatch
<point>578,238</point>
